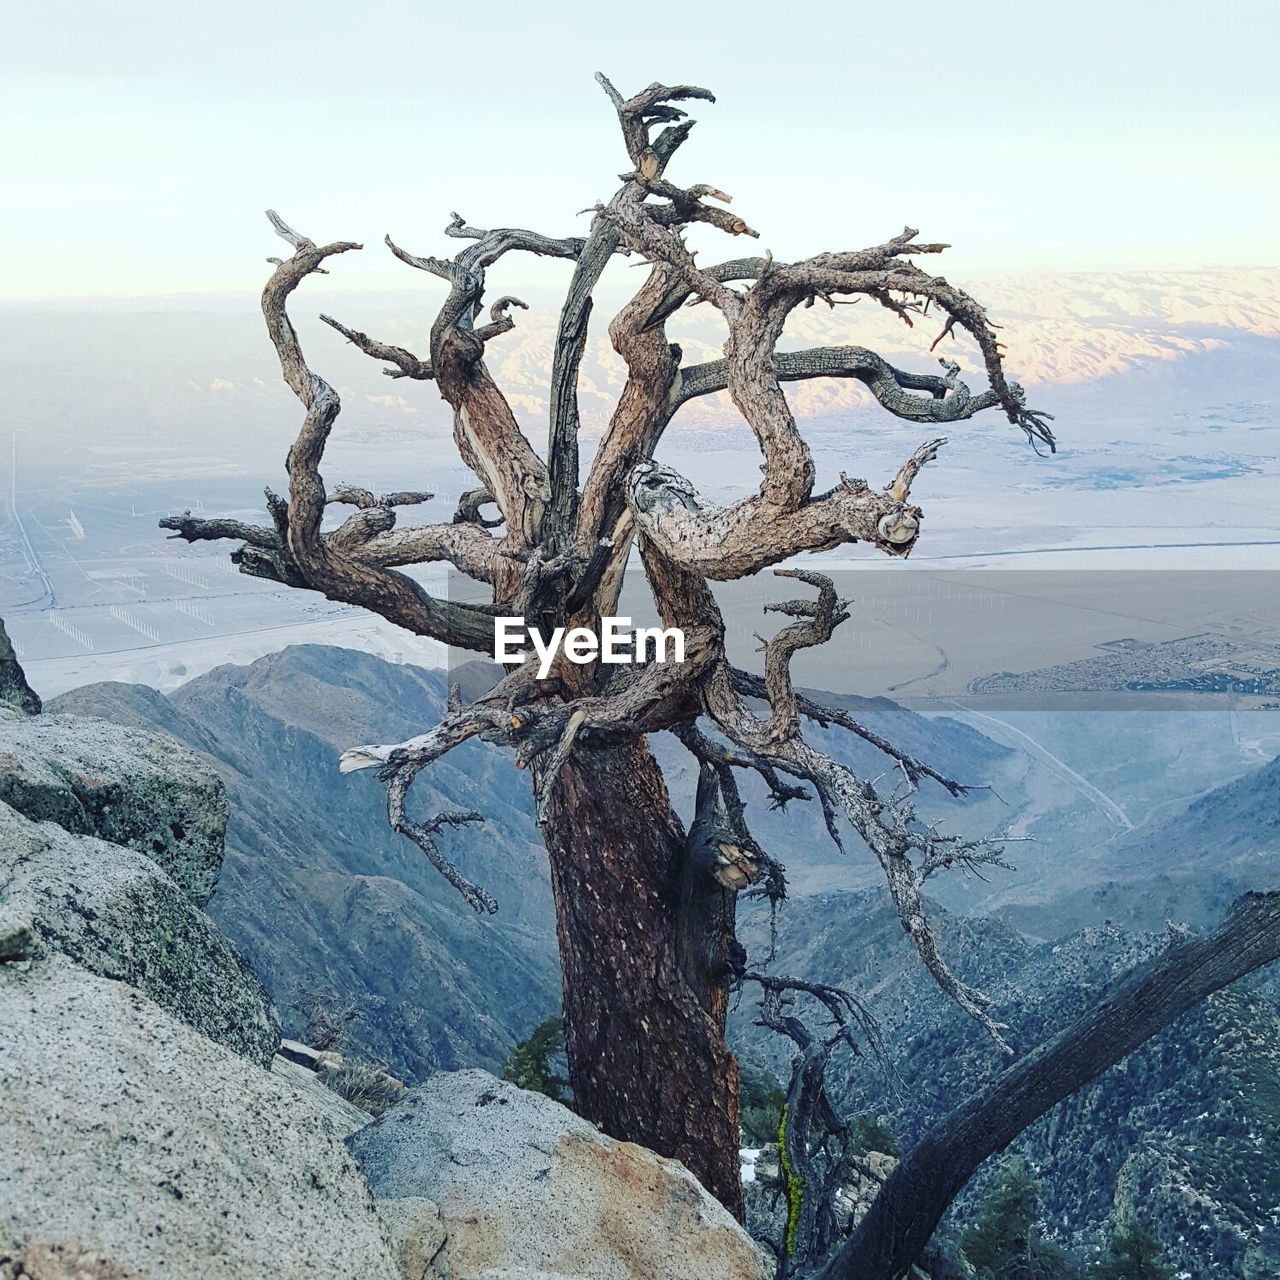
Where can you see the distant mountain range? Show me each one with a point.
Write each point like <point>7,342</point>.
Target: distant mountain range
<point>1186,868</point>
<point>319,892</point>
<point>316,888</point>
<point>322,896</point>
<point>191,366</point>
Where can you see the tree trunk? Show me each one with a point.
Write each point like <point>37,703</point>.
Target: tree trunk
<point>645,951</point>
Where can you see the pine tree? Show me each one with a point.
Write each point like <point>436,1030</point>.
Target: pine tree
<point>1006,1243</point>
<point>761,1098</point>
<point>1134,1253</point>
<point>531,1063</point>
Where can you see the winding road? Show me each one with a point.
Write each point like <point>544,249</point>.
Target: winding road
<point>1082,784</point>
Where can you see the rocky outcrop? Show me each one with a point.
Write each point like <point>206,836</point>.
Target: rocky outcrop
<point>136,1144</point>
<point>126,786</point>
<point>142,1136</point>
<point>116,913</point>
<point>526,1188</point>
<point>15,692</point>
<point>342,1116</point>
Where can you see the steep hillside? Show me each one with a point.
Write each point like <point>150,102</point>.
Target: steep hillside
<point>1186,867</point>
<point>317,890</point>
<point>1234,828</point>
<point>1185,1127</point>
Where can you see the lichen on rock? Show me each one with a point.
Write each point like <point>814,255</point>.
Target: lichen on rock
<point>117,914</point>
<point>126,786</point>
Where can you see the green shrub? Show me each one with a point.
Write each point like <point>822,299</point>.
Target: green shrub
<point>1006,1242</point>
<point>872,1133</point>
<point>761,1099</point>
<point>1134,1253</point>
<point>531,1063</point>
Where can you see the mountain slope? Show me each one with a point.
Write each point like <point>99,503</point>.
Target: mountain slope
<point>1184,1129</point>
<point>1233,828</point>
<point>320,893</point>
<point>1185,868</point>
<point>317,890</point>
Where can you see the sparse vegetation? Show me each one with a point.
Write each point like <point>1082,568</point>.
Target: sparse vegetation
<point>762,1098</point>
<point>1007,1241</point>
<point>871,1132</point>
<point>532,1063</point>
<point>326,1016</point>
<point>369,1085</point>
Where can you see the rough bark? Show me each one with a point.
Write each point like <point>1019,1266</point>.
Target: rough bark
<point>645,914</point>
<point>646,967</point>
<point>1151,997</point>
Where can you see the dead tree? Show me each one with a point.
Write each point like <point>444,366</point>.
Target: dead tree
<point>818,1155</point>
<point>645,923</point>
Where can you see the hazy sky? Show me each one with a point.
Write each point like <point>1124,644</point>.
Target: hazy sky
<point>139,142</point>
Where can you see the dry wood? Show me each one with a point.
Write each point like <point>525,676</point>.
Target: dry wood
<point>645,908</point>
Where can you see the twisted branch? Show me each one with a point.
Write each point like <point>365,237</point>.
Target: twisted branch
<point>821,617</point>
<point>297,552</point>
<point>815,1142</point>
<point>887,826</point>
<point>407,365</point>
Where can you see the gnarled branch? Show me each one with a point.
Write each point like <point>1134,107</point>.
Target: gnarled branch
<point>949,400</point>
<point>725,543</point>
<point>407,365</point>
<point>298,553</point>
<point>887,825</point>
<point>815,1143</point>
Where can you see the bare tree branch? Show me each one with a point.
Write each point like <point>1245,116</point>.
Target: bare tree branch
<point>199,529</point>
<point>571,340</point>
<point>816,1145</point>
<point>469,505</point>
<point>725,543</point>
<point>753,686</point>
<point>400,764</point>
<point>820,620</point>
<point>949,400</point>
<point>298,553</point>
<point>407,365</point>
<point>886,825</point>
